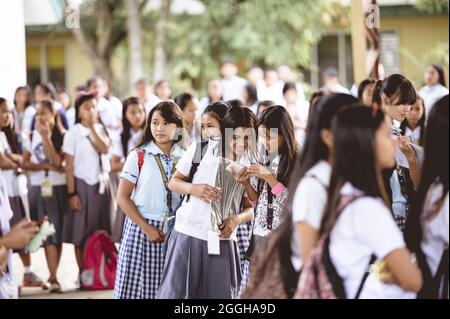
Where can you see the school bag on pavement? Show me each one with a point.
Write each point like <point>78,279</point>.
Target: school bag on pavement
<point>99,262</point>
<point>319,278</point>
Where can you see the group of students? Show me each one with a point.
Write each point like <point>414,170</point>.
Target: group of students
<point>371,200</point>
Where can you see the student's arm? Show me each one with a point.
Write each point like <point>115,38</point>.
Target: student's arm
<point>75,202</point>
<point>20,235</point>
<point>404,272</point>
<point>116,164</point>
<point>16,158</point>
<point>29,166</point>
<point>229,225</point>
<point>124,201</point>
<point>102,144</point>
<point>243,177</point>
<point>410,154</point>
<point>6,163</point>
<point>308,236</point>
<point>205,192</point>
<point>258,170</point>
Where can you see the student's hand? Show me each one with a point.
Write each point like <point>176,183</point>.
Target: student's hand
<point>58,169</point>
<point>259,171</point>
<point>44,130</point>
<point>228,227</point>
<point>75,203</point>
<point>20,234</point>
<point>206,192</point>
<point>404,144</point>
<point>241,177</point>
<point>154,235</point>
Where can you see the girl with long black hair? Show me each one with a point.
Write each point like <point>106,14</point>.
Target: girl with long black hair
<point>427,232</point>
<point>357,216</point>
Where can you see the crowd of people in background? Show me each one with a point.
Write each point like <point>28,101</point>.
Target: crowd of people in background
<point>344,182</point>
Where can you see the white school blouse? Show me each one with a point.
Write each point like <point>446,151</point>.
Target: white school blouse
<point>309,203</point>
<point>365,227</point>
<point>36,148</point>
<point>435,229</point>
<point>117,149</point>
<point>194,217</point>
<point>86,158</point>
<point>431,94</point>
<point>8,175</point>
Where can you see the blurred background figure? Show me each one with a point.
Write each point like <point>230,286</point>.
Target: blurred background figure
<point>271,88</point>
<point>297,108</point>
<point>215,94</point>
<point>365,90</point>
<point>63,97</point>
<point>143,90</point>
<point>163,90</point>
<point>435,87</point>
<point>250,97</point>
<point>189,106</point>
<point>232,84</point>
<point>331,82</point>
<point>255,75</point>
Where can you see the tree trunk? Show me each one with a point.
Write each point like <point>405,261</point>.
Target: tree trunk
<point>160,62</point>
<point>134,41</point>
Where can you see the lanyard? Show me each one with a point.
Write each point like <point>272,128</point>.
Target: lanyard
<point>166,181</point>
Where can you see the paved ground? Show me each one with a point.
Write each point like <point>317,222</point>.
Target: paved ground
<point>67,275</point>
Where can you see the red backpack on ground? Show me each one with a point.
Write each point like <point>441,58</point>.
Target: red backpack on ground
<point>99,262</point>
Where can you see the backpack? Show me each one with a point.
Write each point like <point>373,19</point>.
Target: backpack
<point>319,278</point>
<point>99,262</point>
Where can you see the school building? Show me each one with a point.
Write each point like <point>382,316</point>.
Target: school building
<point>406,38</point>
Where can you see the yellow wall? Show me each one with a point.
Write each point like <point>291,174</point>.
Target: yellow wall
<point>418,35</point>
<point>78,65</point>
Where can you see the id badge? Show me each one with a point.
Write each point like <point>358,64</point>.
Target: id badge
<point>103,180</point>
<point>46,189</point>
<point>213,243</point>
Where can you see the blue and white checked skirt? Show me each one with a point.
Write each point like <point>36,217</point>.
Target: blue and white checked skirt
<point>140,264</point>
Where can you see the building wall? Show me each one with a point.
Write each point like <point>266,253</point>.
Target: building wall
<point>417,35</point>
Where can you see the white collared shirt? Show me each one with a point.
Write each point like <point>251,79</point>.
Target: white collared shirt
<point>365,227</point>
<point>86,160</point>
<point>431,94</point>
<point>150,195</point>
<point>435,229</point>
<point>36,149</point>
<point>117,149</point>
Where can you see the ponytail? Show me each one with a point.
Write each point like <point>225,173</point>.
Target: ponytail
<point>376,95</point>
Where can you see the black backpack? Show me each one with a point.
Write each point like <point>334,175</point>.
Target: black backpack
<point>200,151</point>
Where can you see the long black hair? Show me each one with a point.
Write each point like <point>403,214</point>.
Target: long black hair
<point>314,148</point>
<point>237,117</point>
<point>125,135</point>
<point>48,88</point>
<point>362,86</point>
<point>313,151</point>
<point>217,110</point>
<point>277,117</point>
<point>440,70</point>
<point>57,135</point>
<point>354,131</point>
<point>172,114</point>
<point>80,100</point>
<point>183,99</point>
<point>404,124</point>
<point>10,133</point>
<point>397,88</point>
<point>435,168</point>
<point>252,94</point>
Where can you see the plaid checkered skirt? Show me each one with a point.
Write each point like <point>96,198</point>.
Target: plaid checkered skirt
<point>140,264</point>
<point>243,236</point>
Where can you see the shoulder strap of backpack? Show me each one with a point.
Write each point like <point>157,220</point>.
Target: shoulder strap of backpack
<point>373,258</point>
<point>141,156</point>
<point>198,156</point>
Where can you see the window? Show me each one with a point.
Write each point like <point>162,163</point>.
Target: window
<point>46,63</point>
